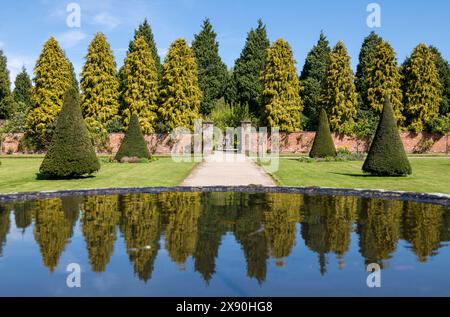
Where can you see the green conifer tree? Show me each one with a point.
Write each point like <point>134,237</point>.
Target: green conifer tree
<point>443,68</point>
<point>133,144</point>
<point>6,102</point>
<point>100,86</point>
<point>339,97</point>
<point>281,94</point>
<point>422,91</point>
<point>212,72</point>
<point>71,153</point>
<point>23,88</point>
<point>323,145</point>
<point>146,32</point>
<point>52,78</point>
<point>387,155</point>
<point>140,94</point>
<point>366,55</point>
<point>248,68</point>
<point>382,78</point>
<point>312,78</point>
<point>180,93</point>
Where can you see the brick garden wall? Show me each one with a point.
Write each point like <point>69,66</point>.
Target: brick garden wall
<point>299,142</point>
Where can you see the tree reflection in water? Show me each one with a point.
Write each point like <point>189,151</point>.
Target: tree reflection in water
<point>192,225</point>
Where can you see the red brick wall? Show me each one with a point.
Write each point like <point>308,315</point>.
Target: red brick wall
<point>299,142</point>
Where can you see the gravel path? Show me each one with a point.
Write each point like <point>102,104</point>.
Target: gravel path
<point>228,169</point>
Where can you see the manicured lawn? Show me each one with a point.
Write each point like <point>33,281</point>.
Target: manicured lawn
<point>19,175</point>
<point>429,175</point>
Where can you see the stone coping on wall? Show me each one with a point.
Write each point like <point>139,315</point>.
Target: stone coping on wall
<point>432,198</point>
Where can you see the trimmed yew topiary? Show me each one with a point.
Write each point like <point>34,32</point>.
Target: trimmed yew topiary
<point>387,155</point>
<point>71,153</point>
<point>323,145</point>
<point>133,144</point>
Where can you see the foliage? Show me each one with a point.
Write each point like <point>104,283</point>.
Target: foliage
<point>140,92</point>
<point>339,97</point>
<point>180,92</point>
<point>23,89</point>
<point>52,78</point>
<point>323,145</point>
<point>387,155</point>
<point>422,91</point>
<point>16,123</point>
<point>6,102</point>
<point>100,86</point>
<point>281,95</point>
<point>443,68</point>
<point>366,60</point>
<point>133,144</point>
<point>225,115</point>
<point>248,68</point>
<point>312,77</point>
<point>212,72</point>
<point>144,30</point>
<point>70,154</point>
<point>383,79</point>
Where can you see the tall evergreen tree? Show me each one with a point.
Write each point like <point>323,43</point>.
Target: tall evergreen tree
<point>443,68</point>
<point>100,86</point>
<point>180,93</point>
<point>387,155</point>
<point>145,31</point>
<point>312,78</point>
<point>422,91</point>
<point>248,68</point>
<point>70,153</point>
<point>281,94</point>
<point>52,78</point>
<point>212,72</point>
<point>339,97</point>
<point>366,55</point>
<point>23,88</point>
<point>383,79</point>
<point>140,91</point>
<point>6,102</point>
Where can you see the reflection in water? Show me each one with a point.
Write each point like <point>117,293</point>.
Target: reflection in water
<point>140,225</point>
<point>100,219</point>
<point>192,225</point>
<point>327,226</point>
<point>379,229</point>
<point>4,225</point>
<point>53,228</point>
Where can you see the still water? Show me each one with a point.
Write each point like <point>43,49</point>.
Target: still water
<point>223,244</point>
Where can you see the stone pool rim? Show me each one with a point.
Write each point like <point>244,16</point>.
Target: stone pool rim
<point>432,198</point>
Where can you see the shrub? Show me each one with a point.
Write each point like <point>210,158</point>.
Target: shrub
<point>71,153</point>
<point>387,156</point>
<point>133,144</point>
<point>323,145</point>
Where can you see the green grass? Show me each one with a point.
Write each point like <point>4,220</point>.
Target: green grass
<point>19,175</point>
<point>429,175</point>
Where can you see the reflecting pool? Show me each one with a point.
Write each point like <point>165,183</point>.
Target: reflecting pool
<point>223,244</point>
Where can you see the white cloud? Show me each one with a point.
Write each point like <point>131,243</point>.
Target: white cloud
<point>71,38</point>
<point>106,20</point>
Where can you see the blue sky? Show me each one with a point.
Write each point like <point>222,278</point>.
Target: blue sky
<point>26,24</point>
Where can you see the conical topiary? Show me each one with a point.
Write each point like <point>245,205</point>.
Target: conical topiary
<point>387,155</point>
<point>133,144</point>
<point>323,145</point>
<point>71,153</point>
